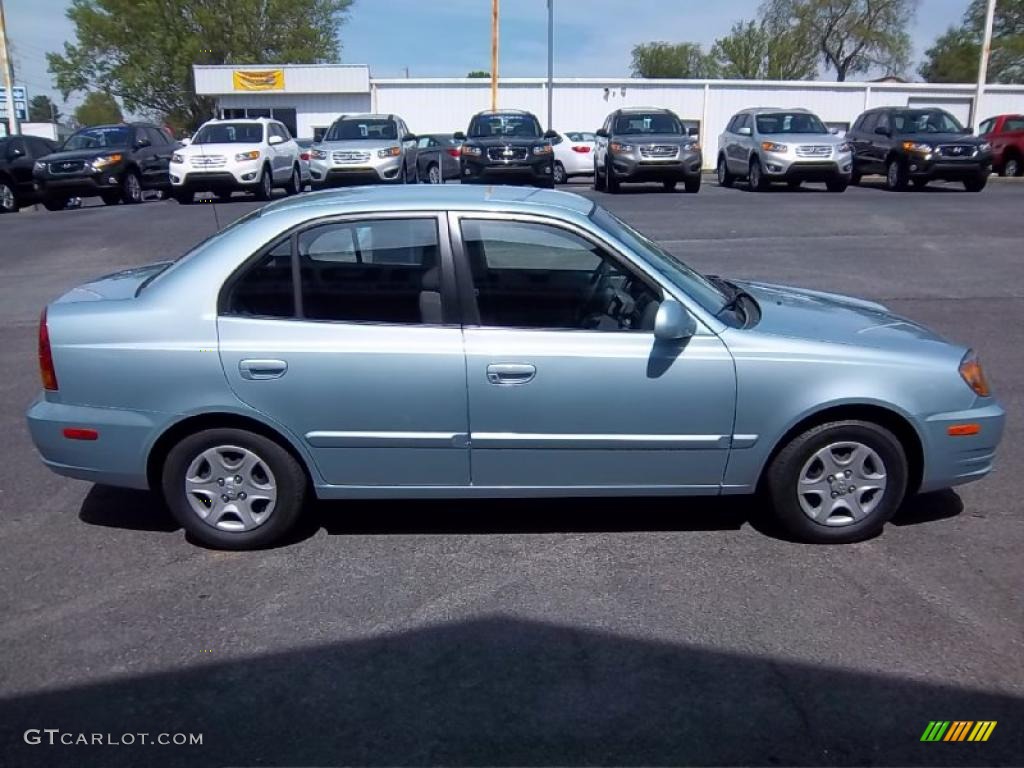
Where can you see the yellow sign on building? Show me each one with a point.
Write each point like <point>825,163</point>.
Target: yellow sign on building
<point>258,79</point>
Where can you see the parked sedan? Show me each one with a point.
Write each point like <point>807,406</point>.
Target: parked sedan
<point>437,157</point>
<point>463,341</point>
<point>574,155</point>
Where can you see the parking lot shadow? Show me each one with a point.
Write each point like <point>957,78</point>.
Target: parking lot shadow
<point>504,691</point>
<point>126,508</point>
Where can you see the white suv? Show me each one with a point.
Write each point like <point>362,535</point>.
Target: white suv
<point>364,149</point>
<point>225,155</point>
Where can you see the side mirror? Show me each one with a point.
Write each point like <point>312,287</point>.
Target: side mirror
<point>673,322</point>
<point>185,141</point>
<point>140,143</point>
<point>693,131</point>
<point>549,134</point>
<point>881,130</point>
<point>275,140</point>
<point>411,137</point>
<point>745,131</point>
<point>459,136</point>
<point>602,133</point>
<point>966,131</point>
<point>14,153</point>
<point>834,131</point>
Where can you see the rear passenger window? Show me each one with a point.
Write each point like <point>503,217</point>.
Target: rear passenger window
<point>266,289</point>
<point>383,271</point>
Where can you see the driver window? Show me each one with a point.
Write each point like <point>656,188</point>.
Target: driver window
<point>539,276</point>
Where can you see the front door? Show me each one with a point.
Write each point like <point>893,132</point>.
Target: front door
<point>361,363</point>
<point>567,385</point>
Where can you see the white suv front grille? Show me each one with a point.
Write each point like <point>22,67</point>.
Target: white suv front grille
<point>814,150</point>
<point>350,156</point>
<point>209,161</point>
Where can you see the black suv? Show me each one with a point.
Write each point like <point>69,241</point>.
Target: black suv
<point>115,162</point>
<point>917,146</point>
<point>506,146</point>
<point>17,154</point>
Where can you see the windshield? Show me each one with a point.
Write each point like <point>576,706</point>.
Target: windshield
<point>356,128</point>
<point>229,133</point>
<point>522,126</point>
<point>656,122</point>
<point>100,138</point>
<point>696,286</point>
<point>790,122</point>
<point>925,121</point>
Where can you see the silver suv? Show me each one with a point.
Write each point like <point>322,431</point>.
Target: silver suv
<point>766,145</point>
<point>646,144</point>
<point>364,149</point>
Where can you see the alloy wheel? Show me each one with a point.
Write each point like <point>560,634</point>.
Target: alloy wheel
<point>559,177</point>
<point>841,484</point>
<point>1012,167</point>
<point>133,188</point>
<point>7,203</point>
<point>434,174</point>
<point>721,173</point>
<point>231,488</point>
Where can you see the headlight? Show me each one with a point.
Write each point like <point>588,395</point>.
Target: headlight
<point>106,161</point>
<point>543,149</point>
<point>972,373</point>
<point>845,147</point>
<point>176,158</point>
<point>917,146</point>
<point>39,166</point>
<point>617,147</point>
<point>985,147</point>
<point>468,149</point>
<point>317,154</point>
<point>693,146</point>
<point>242,156</point>
<point>771,146</point>
<point>390,152</point>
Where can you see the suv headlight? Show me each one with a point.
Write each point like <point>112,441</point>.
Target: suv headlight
<point>389,152</point>
<point>39,166</point>
<point>177,158</point>
<point>845,147</point>
<point>469,149</point>
<point>691,146</point>
<point>920,147</point>
<point>251,155</point>
<point>106,161</point>
<point>616,146</point>
<point>973,374</point>
<point>771,146</point>
<point>317,154</point>
<point>985,147</point>
<point>543,149</point>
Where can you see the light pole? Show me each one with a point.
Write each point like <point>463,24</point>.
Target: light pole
<point>494,54</point>
<point>551,56</point>
<point>986,49</point>
<point>8,75</point>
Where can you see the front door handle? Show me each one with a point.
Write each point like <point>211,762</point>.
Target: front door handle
<point>510,374</point>
<point>257,370</point>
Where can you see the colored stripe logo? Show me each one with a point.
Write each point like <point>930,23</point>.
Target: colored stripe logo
<point>958,730</point>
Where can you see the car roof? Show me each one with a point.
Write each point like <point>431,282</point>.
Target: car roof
<point>503,112</point>
<point>770,110</point>
<point>365,116</point>
<point>440,197</point>
<point>254,120</point>
<point>630,110</point>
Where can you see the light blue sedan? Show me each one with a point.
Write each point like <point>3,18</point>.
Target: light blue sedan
<point>451,341</point>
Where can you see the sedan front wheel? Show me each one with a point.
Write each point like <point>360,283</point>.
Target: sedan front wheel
<point>838,482</point>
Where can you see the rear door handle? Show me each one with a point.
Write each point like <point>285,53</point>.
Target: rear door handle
<point>510,374</point>
<point>256,370</point>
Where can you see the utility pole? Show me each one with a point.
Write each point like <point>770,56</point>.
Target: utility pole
<point>5,63</point>
<point>551,56</point>
<point>494,54</point>
<point>986,49</point>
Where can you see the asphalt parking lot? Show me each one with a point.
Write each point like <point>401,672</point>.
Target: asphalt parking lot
<point>654,632</point>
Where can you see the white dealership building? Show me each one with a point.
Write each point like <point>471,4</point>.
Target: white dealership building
<point>308,98</point>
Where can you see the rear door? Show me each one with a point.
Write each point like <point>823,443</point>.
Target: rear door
<point>361,358</point>
<point>162,149</point>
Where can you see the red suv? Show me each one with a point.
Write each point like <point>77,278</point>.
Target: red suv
<point>1006,135</point>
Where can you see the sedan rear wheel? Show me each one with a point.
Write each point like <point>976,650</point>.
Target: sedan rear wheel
<point>434,174</point>
<point>838,482</point>
<point>233,489</point>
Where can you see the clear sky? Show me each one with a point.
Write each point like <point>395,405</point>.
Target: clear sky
<point>436,38</point>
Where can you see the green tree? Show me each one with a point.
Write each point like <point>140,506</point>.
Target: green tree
<point>142,51</point>
<point>955,55</point>
<point>851,36</point>
<point>41,109</point>
<point>762,50</point>
<point>479,73</point>
<point>671,60</point>
<point>99,107</point>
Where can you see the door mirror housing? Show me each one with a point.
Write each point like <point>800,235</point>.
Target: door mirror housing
<point>14,153</point>
<point>185,141</point>
<point>602,133</point>
<point>275,140</point>
<point>693,131</point>
<point>411,137</point>
<point>140,143</point>
<point>745,131</point>
<point>459,136</point>
<point>673,322</point>
<point>550,134</point>
<point>881,130</point>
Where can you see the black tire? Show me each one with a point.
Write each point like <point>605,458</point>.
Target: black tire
<point>794,184</point>
<point>784,473</point>
<point>896,175</point>
<point>855,179</point>
<point>8,200</point>
<point>1012,166</point>
<point>55,203</point>
<point>692,186</point>
<point>131,188</point>
<point>265,188</point>
<point>976,184</point>
<point>919,184</point>
<point>558,173</point>
<point>294,185</point>
<point>434,174</point>
<point>669,185</point>
<point>610,182</point>
<point>599,180</point>
<point>289,476</point>
<point>183,197</point>
<point>725,179</point>
<point>837,185</point>
<point>756,178</point>
<point>110,198</point>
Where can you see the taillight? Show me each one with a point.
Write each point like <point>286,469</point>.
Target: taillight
<point>453,151</point>
<point>305,156</point>
<point>581,149</point>
<point>46,369</point>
